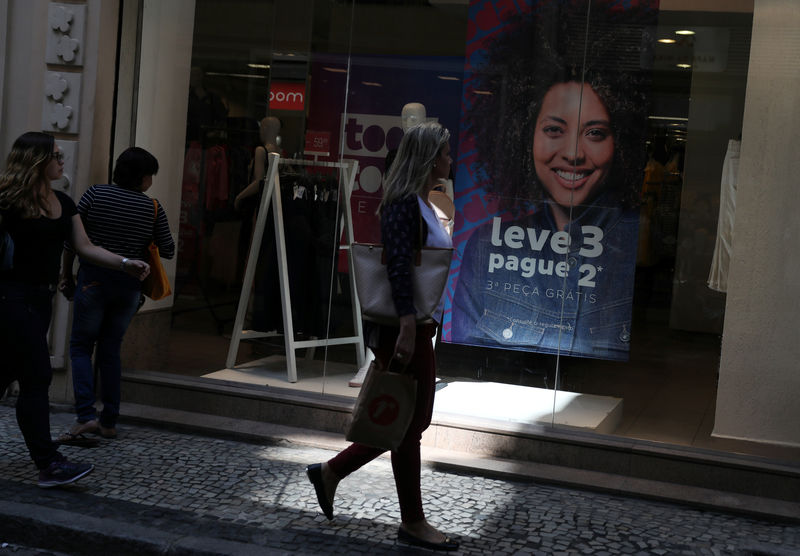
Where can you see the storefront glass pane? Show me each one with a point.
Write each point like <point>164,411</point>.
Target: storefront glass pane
<point>588,285</point>
<point>251,75</point>
<point>668,387</point>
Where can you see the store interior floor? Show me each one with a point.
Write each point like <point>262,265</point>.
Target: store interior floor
<point>668,386</point>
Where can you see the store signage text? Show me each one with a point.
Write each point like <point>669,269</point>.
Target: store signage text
<point>516,237</point>
<point>287,96</point>
<point>318,142</point>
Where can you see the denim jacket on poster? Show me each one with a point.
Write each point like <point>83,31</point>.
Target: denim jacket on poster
<point>511,295</point>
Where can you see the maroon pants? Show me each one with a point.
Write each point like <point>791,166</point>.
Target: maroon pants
<point>405,459</point>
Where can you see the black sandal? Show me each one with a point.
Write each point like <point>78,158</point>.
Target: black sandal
<point>80,440</point>
<point>407,538</point>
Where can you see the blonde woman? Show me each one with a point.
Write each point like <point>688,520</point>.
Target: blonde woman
<point>423,159</point>
<point>39,221</point>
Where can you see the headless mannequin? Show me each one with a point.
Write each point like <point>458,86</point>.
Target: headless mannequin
<point>440,199</point>
<point>412,114</point>
<point>269,128</point>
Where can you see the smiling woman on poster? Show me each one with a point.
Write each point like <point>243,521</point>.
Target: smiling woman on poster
<point>560,147</point>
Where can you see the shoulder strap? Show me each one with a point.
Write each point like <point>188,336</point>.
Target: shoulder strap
<point>155,217</point>
<point>423,226</point>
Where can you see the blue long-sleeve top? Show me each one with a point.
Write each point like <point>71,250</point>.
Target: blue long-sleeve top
<point>400,234</point>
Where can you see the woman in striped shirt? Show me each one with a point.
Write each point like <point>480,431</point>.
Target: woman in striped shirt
<point>122,219</point>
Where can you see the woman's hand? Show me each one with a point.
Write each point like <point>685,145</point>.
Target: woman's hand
<point>101,257</point>
<point>137,269</point>
<point>406,338</point>
<point>66,285</point>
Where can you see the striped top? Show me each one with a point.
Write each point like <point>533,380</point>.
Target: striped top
<point>122,221</point>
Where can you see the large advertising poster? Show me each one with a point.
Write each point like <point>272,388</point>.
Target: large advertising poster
<point>549,172</point>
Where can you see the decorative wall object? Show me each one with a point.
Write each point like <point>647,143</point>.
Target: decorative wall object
<point>62,99</point>
<point>65,36</point>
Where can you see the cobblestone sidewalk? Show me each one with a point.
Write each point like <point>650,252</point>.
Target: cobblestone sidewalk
<point>158,491</point>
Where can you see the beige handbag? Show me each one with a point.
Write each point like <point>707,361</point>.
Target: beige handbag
<point>429,276</point>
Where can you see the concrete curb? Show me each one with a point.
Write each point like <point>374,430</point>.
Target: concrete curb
<point>74,534</point>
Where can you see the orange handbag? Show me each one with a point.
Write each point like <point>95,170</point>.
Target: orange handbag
<point>156,285</point>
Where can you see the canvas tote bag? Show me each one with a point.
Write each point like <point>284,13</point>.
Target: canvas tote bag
<point>384,408</point>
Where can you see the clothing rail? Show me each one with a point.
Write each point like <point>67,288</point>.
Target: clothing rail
<point>272,195</point>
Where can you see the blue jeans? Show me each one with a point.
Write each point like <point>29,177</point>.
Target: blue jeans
<point>24,319</point>
<point>105,302</point>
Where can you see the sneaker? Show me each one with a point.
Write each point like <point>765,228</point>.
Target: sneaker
<point>63,473</point>
<point>358,378</point>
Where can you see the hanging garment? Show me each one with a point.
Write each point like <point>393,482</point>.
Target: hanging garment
<point>651,189</point>
<point>216,177</point>
<point>720,261</point>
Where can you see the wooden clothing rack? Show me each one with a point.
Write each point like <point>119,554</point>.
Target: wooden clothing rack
<point>272,195</point>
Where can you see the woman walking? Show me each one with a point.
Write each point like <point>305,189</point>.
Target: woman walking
<point>423,159</point>
<point>122,219</point>
<point>39,220</point>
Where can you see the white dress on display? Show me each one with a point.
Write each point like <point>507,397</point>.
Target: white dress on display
<point>718,276</point>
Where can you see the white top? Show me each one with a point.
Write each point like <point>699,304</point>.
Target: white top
<point>437,237</point>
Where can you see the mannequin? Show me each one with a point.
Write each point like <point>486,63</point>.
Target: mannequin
<point>268,130</point>
<point>441,198</point>
<point>412,114</point>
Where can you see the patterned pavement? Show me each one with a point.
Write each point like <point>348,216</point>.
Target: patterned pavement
<point>160,491</point>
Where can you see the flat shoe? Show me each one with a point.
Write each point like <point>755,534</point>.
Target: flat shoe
<point>107,432</point>
<point>407,538</point>
<point>314,472</point>
<point>69,439</point>
<point>87,427</point>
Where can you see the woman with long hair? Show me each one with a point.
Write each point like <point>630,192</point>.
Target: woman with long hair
<point>39,220</point>
<point>423,159</point>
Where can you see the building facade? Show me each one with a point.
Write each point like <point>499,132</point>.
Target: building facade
<point>705,346</point>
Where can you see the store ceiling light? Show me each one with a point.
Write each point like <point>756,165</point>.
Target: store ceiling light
<point>684,32</point>
<point>258,66</point>
<point>684,66</point>
<point>447,78</point>
<point>667,41</point>
<point>336,70</point>
<point>671,118</point>
<point>371,84</point>
<point>241,75</point>
<point>477,92</point>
